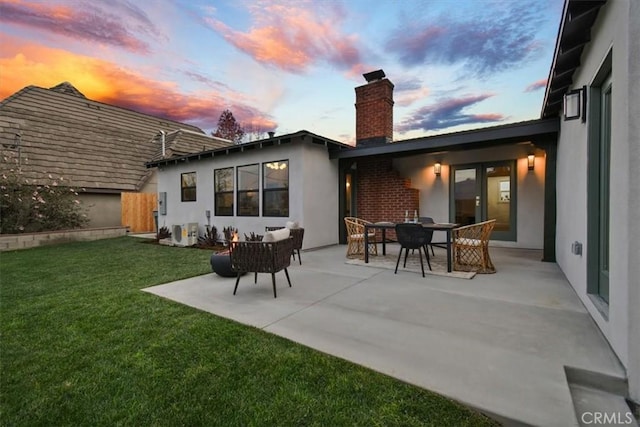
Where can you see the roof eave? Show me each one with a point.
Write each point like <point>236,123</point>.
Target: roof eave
<point>574,33</point>
<point>263,143</point>
<point>477,138</point>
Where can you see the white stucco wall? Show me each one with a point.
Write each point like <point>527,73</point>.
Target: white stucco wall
<point>320,197</point>
<point>313,192</point>
<point>612,30</point>
<point>434,191</point>
<point>633,62</point>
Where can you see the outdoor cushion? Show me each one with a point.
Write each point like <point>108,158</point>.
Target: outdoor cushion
<point>292,224</point>
<point>276,235</point>
<point>468,242</point>
<point>361,236</point>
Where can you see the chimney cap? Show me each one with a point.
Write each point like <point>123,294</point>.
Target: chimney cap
<point>374,75</point>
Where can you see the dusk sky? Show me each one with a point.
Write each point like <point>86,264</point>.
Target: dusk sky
<point>285,66</point>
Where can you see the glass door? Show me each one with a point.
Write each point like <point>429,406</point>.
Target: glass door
<point>499,204</point>
<point>466,195</point>
<point>485,191</point>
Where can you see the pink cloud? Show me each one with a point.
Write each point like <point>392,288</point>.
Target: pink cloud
<point>540,84</point>
<point>23,64</point>
<point>293,38</point>
<point>88,22</point>
<point>489,117</point>
<point>447,113</point>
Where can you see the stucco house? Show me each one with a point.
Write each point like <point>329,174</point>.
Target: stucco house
<point>251,186</point>
<point>562,183</point>
<point>596,72</point>
<point>94,146</point>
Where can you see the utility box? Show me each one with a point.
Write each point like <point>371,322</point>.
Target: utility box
<point>162,202</point>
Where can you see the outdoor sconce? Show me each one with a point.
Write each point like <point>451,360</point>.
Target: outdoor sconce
<point>531,162</point>
<point>575,104</point>
<point>437,168</point>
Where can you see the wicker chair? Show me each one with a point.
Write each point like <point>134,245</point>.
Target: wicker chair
<point>355,238</point>
<point>471,247</point>
<point>298,235</point>
<point>261,257</point>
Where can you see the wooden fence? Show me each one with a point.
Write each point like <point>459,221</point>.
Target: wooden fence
<point>137,211</point>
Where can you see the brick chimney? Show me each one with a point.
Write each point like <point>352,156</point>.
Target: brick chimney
<point>374,110</point>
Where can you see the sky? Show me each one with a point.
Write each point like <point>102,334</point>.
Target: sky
<point>286,66</point>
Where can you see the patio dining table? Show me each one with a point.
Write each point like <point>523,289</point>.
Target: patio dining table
<point>384,226</point>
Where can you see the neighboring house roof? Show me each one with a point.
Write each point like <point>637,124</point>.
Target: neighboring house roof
<point>96,146</point>
<point>183,142</point>
<point>302,135</point>
<point>532,130</point>
<point>574,33</point>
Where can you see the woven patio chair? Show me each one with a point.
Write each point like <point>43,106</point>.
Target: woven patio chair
<point>261,257</point>
<point>298,235</point>
<point>471,247</point>
<point>355,238</point>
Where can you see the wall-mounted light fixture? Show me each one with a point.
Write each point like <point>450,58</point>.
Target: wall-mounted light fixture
<point>531,162</point>
<point>437,168</point>
<point>575,104</point>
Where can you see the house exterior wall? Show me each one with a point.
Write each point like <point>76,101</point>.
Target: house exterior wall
<point>616,29</point>
<point>313,193</point>
<point>633,62</point>
<point>151,184</point>
<point>319,177</point>
<point>434,191</point>
<point>103,210</point>
<point>383,194</point>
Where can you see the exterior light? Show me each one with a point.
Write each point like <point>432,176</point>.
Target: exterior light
<point>531,162</point>
<point>575,104</point>
<point>437,168</point>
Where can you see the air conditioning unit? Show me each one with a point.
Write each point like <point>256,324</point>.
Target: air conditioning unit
<point>184,234</point>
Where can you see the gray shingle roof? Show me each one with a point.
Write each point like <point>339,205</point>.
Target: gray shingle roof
<point>93,145</point>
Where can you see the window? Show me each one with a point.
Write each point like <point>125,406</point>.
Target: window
<point>188,187</point>
<point>248,190</point>
<point>223,191</point>
<point>276,188</point>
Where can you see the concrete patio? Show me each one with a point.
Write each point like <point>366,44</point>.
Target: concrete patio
<point>501,343</point>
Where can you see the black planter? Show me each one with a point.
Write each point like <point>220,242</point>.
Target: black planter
<point>221,265</point>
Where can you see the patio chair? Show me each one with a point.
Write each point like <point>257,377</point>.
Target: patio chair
<point>471,247</point>
<point>428,220</point>
<point>413,236</point>
<point>271,255</point>
<point>355,238</point>
<point>298,235</point>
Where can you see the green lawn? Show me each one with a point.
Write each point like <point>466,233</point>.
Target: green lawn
<point>81,345</point>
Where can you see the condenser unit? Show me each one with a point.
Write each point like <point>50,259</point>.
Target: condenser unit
<point>184,234</point>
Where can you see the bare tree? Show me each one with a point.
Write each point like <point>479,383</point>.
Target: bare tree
<point>229,128</point>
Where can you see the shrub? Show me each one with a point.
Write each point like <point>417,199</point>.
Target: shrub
<point>27,207</point>
<point>253,237</point>
<point>163,233</point>
<point>210,238</point>
<point>228,234</point>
